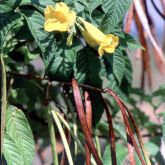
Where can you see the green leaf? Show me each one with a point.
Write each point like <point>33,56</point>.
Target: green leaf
<point>19,143</point>
<point>152,148</point>
<point>160,91</point>
<point>38,3</point>
<point>115,11</point>
<point>79,6</point>
<point>121,153</point>
<point>120,129</point>
<point>5,13</point>
<point>45,40</point>
<point>87,71</point>
<point>87,67</point>
<point>62,66</point>
<point>131,42</point>
<point>128,70</point>
<point>118,64</point>
<point>13,3</point>
<point>8,20</point>
<point>113,84</point>
<point>97,107</point>
<point>93,4</point>
<point>11,152</point>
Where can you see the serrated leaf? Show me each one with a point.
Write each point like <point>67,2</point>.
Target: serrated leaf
<point>62,66</point>
<point>113,84</point>
<point>97,107</point>
<point>11,151</point>
<point>8,20</point>
<point>131,42</point>
<point>19,143</point>
<point>120,129</point>
<point>13,3</point>
<point>93,4</point>
<point>86,70</point>
<point>121,153</point>
<point>45,40</point>
<point>79,6</point>
<point>5,13</point>
<point>115,11</point>
<point>40,3</point>
<point>118,66</point>
<point>128,70</point>
<point>87,67</point>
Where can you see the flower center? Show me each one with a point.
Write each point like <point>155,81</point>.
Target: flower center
<point>61,17</point>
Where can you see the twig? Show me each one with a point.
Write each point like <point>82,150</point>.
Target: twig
<point>67,126</point>
<point>129,19</point>
<point>36,77</point>
<point>88,110</point>
<point>74,120</point>
<point>63,137</point>
<point>158,11</point>
<point>145,153</point>
<point>27,76</point>
<point>52,137</point>
<point>111,132</point>
<point>3,100</point>
<point>51,127</point>
<point>129,131</point>
<point>86,131</point>
<point>145,56</point>
<point>83,122</point>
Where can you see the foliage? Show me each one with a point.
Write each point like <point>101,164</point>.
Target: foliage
<point>40,67</point>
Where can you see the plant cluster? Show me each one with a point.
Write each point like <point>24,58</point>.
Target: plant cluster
<point>63,64</point>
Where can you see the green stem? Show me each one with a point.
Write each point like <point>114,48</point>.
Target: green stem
<point>52,138</point>
<point>63,137</point>
<point>3,100</point>
<point>67,126</point>
<point>71,108</point>
<point>98,145</point>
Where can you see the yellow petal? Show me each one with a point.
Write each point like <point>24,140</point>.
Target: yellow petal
<point>54,25</point>
<point>100,51</point>
<point>49,12</point>
<point>61,6</point>
<point>108,44</point>
<point>59,18</point>
<point>88,39</point>
<point>71,18</point>
<point>93,33</point>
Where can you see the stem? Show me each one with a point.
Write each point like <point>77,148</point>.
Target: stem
<point>98,145</point>
<point>64,122</point>
<point>83,122</point>
<point>64,140</point>
<point>3,100</point>
<point>52,138</point>
<point>71,108</point>
<point>39,78</point>
<point>111,132</point>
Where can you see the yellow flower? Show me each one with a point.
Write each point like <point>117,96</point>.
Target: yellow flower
<point>59,18</point>
<point>92,34</point>
<point>94,37</point>
<point>108,44</point>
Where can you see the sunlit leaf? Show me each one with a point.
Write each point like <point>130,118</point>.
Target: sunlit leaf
<point>19,143</point>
